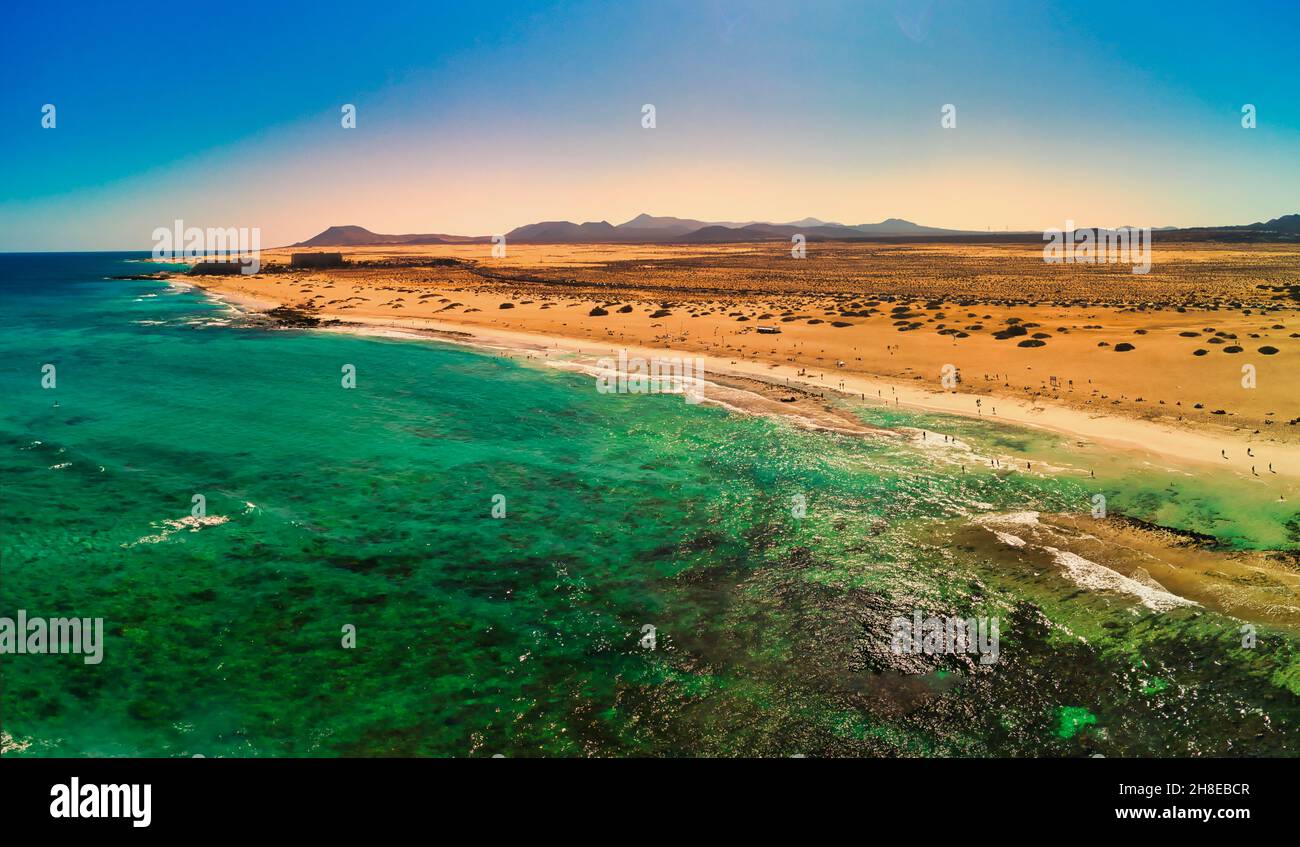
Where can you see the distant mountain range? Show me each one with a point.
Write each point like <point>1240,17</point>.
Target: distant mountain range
<point>641,229</point>
<point>1285,225</point>
<point>648,229</point>
<point>356,236</point>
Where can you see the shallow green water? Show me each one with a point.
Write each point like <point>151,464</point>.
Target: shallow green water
<point>372,507</point>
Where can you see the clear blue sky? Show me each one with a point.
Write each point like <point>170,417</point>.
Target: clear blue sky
<point>476,118</point>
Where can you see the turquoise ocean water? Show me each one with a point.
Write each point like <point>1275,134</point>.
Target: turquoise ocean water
<point>372,508</point>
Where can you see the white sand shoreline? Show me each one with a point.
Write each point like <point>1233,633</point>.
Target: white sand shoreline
<point>1142,438</point>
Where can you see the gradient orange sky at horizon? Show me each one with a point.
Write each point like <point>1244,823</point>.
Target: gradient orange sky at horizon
<point>765,111</point>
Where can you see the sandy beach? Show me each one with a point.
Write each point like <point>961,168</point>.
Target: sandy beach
<point>893,345</point>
